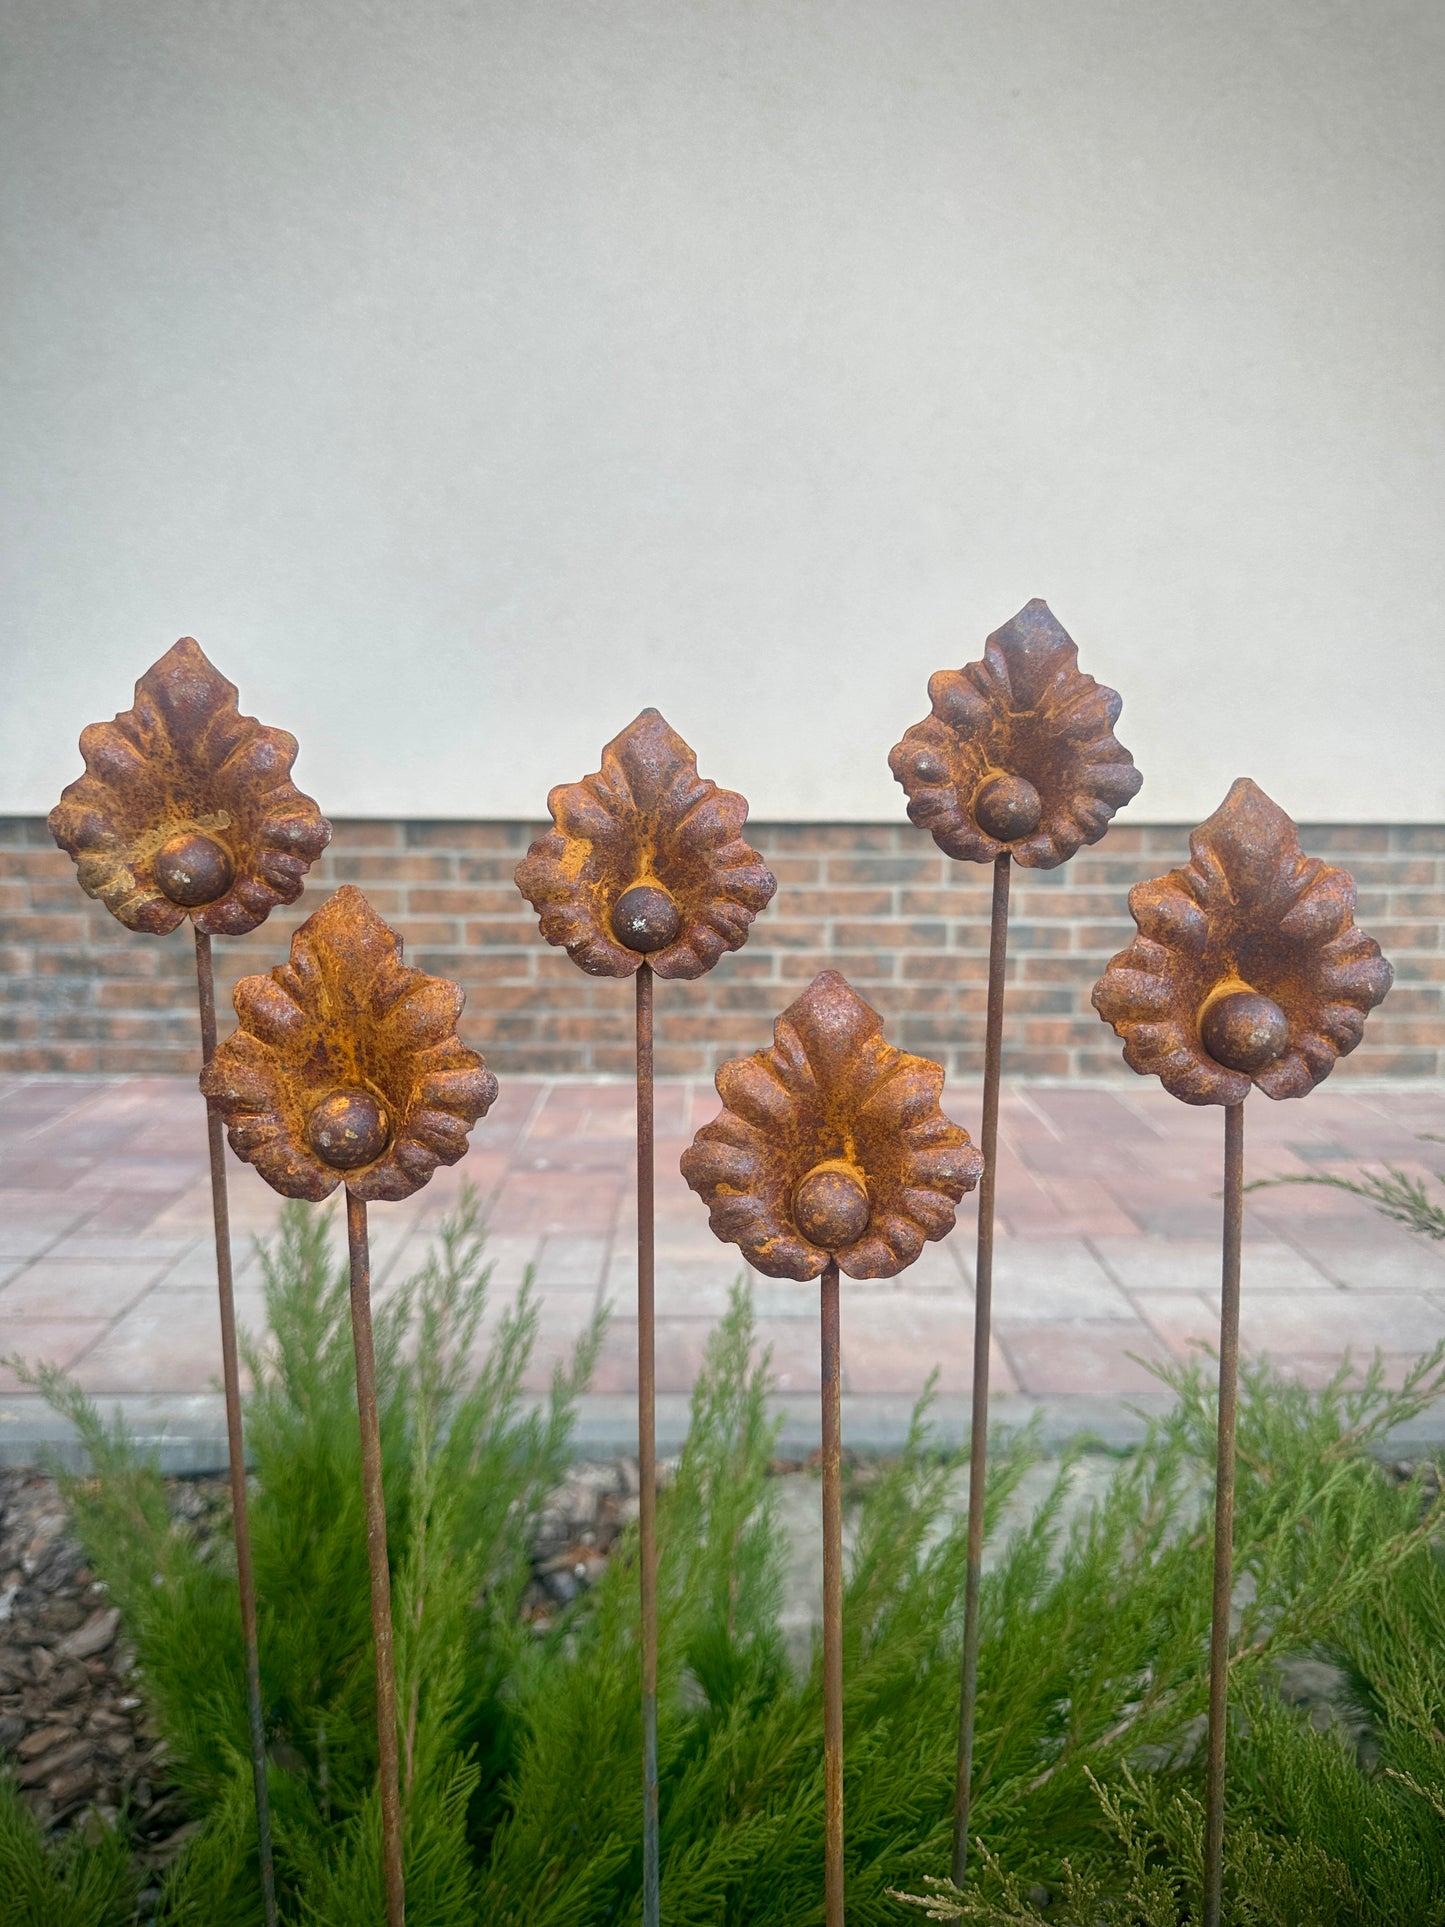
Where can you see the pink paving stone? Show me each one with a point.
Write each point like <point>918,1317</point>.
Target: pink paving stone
<point>891,1341</point>
<point>1103,1358</point>
<point>1369,1256</point>
<point>169,1342</point>
<point>1164,1265</point>
<point>57,1341</point>
<point>54,1288</point>
<point>1284,1323</point>
<point>1183,1320</point>
<point>97,1168</point>
<point>1085,1208</point>
<point>31,1221</point>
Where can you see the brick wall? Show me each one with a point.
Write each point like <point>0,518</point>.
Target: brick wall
<point>909,927</point>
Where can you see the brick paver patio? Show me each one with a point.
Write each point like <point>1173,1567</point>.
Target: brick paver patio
<point>1107,1252</point>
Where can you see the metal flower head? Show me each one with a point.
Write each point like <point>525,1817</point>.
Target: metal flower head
<point>831,1145</point>
<point>187,807</point>
<point>347,1066</point>
<point>1019,755</point>
<point>646,861</point>
<point>1248,967</point>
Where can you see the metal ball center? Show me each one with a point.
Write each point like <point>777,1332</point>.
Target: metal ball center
<point>645,918</point>
<point>830,1205</point>
<point>192,869</point>
<point>348,1129</point>
<point>1007,807</point>
<point>1243,1030</point>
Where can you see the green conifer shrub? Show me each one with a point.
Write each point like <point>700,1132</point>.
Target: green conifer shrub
<point>521,1753</point>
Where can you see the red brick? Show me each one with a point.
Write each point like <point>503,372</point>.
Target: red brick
<point>414,868</point>
<point>828,836</point>
<point>859,964</point>
<point>884,869</point>
<point>876,901</point>
<point>1416,903</point>
<point>1339,838</point>
<point>424,900</point>
<point>943,903</point>
<point>518,931</point>
<point>32,927</point>
<point>470,836</point>
<point>489,869</point>
<point>951,967</point>
<point>365,833</point>
<point>43,861</point>
<point>880,934</point>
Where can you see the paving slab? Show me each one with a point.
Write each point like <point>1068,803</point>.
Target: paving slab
<point>1107,1260</point>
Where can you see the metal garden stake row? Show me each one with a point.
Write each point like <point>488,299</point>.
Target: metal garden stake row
<point>345,1066</point>
<point>831,1153</point>
<point>1248,970</point>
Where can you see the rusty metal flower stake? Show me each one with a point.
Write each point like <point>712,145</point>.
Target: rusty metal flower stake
<point>346,1068</point>
<point>645,872</point>
<point>187,809</point>
<point>1017,762</point>
<point>831,1153</point>
<point>1248,969</point>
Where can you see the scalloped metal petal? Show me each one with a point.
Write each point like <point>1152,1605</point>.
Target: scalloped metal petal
<point>184,759</point>
<point>1028,709</point>
<point>1251,908</point>
<point>344,1012</point>
<point>829,1087</point>
<point>646,815</point>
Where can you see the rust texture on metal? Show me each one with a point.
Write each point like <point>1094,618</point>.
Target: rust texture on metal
<point>1019,754</point>
<point>235,1442</point>
<point>647,1448</point>
<point>832,1468</point>
<point>1223,1514</point>
<point>1248,968</point>
<point>645,873</point>
<point>831,1144</point>
<point>387,1761</point>
<point>646,859</point>
<point>982,1344</point>
<point>187,807</point>
<point>346,1066</point>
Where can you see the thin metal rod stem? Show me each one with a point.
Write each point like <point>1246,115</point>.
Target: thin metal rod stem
<point>647,1450</point>
<point>386,1735</point>
<point>235,1443</point>
<point>832,1600</point>
<point>982,1342</point>
<point>1223,1513</point>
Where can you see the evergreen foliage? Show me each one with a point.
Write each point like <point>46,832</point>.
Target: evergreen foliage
<point>521,1753</point>
<point>1393,1192</point>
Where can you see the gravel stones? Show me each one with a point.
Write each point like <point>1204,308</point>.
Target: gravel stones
<point>72,1728</point>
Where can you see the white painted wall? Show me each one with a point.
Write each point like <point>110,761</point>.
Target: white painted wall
<point>466,374</point>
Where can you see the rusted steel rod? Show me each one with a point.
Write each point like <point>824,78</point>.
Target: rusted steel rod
<point>235,1444</point>
<point>647,1448</point>
<point>832,1600</point>
<point>831,1154</point>
<point>1224,1512</point>
<point>982,1342</point>
<point>386,1734</point>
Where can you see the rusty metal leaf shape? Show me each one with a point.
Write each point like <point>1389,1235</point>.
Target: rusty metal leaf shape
<point>1019,754</point>
<point>1248,967</point>
<point>831,1144</point>
<point>187,807</point>
<point>646,860</point>
<point>346,1065</point>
